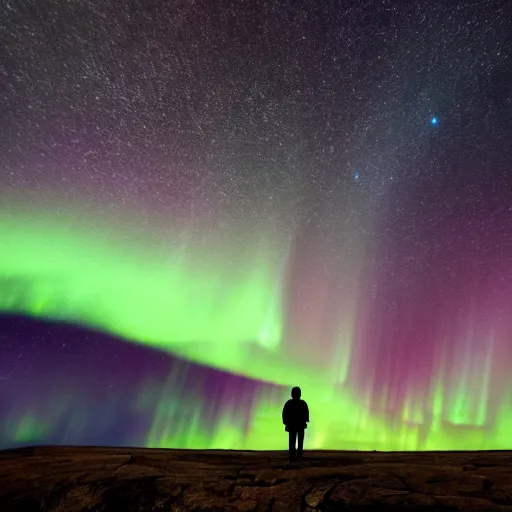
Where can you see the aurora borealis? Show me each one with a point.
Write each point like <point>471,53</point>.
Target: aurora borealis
<point>203,206</point>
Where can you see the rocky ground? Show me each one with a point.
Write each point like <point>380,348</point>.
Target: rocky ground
<point>73,479</point>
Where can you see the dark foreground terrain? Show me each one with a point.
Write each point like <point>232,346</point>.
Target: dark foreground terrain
<point>72,479</point>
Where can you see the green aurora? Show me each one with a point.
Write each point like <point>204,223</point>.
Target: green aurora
<point>227,314</point>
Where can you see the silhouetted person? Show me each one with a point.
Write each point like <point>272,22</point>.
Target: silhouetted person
<point>295,417</point>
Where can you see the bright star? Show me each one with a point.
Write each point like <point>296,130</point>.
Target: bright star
<point>434,121</point>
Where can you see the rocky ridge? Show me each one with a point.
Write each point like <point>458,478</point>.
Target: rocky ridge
<point>80,479</point>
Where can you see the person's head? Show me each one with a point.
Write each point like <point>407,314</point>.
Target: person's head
<point>296,393</point>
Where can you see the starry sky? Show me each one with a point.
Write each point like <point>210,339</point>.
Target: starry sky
<point>203,204</point>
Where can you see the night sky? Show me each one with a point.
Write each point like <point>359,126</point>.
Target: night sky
<point>203,204</point>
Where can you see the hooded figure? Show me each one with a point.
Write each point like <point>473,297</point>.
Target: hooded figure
<point>295,419</point>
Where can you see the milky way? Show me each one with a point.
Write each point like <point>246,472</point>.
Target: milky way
<point>203,204</point>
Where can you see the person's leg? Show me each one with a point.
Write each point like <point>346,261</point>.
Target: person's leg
<point>300,443</point>
<point>291,444</point>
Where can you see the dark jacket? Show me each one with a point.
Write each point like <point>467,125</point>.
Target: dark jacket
<point>295,415</point>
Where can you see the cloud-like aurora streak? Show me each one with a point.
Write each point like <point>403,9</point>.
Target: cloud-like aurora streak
<point>194,309</point>
<point>231,306</point>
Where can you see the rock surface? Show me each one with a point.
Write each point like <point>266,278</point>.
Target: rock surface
<point>80,479</point>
